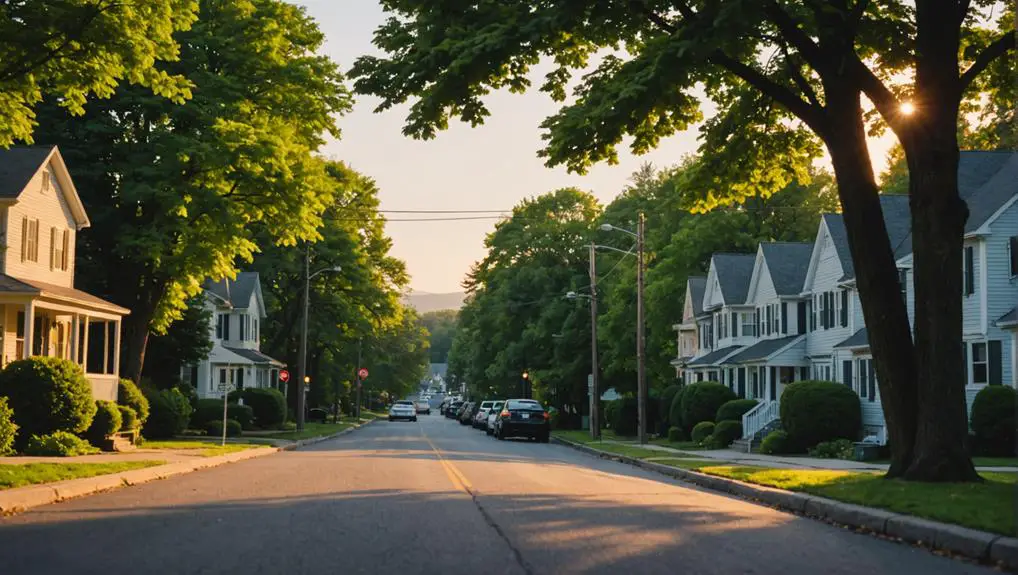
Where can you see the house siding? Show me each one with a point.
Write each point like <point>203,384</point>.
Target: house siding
<point>51,210</point>
<point>970,304</point>
<point>828,271</point>
<point>1002,293</point>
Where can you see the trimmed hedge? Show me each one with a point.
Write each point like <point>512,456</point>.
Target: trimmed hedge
<point>675,410</point>
<point>60,444</point>
<point>8,429</point>
<point>775,443</point>
<point>993,420</point>
<point>268,406</point>
<point>625,417</point>
<point>610,407</point>
<point>725,432</point>
<point>816,411</point>
<point>676,434</point>
<point>734,410</point>
<point>131,395</point>
<point>701,401</point>
<point>47,394</point>
<point>106,422</point>
<point>665,404</point>
<point>837,449</point>
<point>702,431</point>
<point>169,413</point>
<point>128,418</point>
<point>215,428</point>
<point>212,410</point>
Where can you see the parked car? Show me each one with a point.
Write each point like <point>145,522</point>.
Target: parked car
<point>467,412</point>
<point>403,410</point>
<point>480,418</point>
<point>423,407</point>
<point>453,411</point>
<point>489,424</point>
<point>523,418</point>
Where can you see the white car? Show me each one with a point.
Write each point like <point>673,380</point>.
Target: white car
<point>403,410</point>
<point>493,414</point>
<point>424,407</point>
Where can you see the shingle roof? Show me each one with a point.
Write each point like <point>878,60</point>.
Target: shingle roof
<point>1008,319</point>
<point>734,272</point>
<point>254,355</point>
<point>714,356</point>
<point>787,263</point>
<point>897,220</point>
<point>985,200</point>
<point>762,349</point>
<point>18,165</point>
<point>858,339</point>
<point>237,292</point>
<point>697,285</point>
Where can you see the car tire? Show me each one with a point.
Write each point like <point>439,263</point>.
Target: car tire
<point>390,419</point>
<point>487,431</point>
<point>499,435</point>
<point>413,419</point>
<point>545,438</point>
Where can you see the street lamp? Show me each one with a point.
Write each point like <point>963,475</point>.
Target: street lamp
<point>526,377</point>
<point>302,360</point>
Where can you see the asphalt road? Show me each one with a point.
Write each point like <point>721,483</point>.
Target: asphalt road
<point>435,497</point>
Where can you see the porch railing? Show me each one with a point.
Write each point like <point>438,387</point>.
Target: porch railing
<point>759,417</point>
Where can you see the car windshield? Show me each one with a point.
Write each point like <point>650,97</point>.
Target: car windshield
<point>524,404</point>
<point>497,405</point>
<point>486,404</point>
<point>407,403</point>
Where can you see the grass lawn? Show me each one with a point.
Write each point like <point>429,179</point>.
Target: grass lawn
<point>315,429</point>
<point>987,506</point>
<point>683,463</point>
<point>208,448</point>
<point>995,461</point>
<point>20,475</point>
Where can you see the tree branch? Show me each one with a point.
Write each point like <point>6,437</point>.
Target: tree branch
<point>883,99</point>
<point>798,78</point>
<point>799,39</point>
<point>995,50</point>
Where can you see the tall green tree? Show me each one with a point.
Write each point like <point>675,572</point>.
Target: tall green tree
<point>782,74</point>
<point>186,342</point>
<point>441,326</point>
<point>71,50</point>
<point>173,190</point>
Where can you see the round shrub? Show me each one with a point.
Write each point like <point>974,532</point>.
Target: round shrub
<point>106,422</point>
<point>128,418</point>
<point>626,417</point>
<point>700,401</point>
<point>675,410</point>
<point>775,443</point>
<point>816,411</point>
<point>610,407</point>
<point>734,409</point>
<point>676,434</point>
<point>702,431</point>
<point>837,449</point>
<point>268,406</point>
<point>60,444</point>
<point>725,432</point>
<point>215,428</point>
<point>665,403</point>
<point>130,395</point>
<point>993,420</point>
<point>168,415</point>
<point>47,394</point>
<point>8,429</point>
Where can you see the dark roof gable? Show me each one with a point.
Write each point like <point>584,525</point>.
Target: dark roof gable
<point>697,285</point>
<point>236,292</point>
<point>734,272</point>
<point>18,165</point>
<point>787,262</point>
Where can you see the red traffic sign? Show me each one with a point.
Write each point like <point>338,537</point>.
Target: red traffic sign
<point>362,373</point>
<point>284,375</point>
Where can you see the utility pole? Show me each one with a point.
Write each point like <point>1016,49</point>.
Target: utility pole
<point>595,395</point>
<point>357,379</point>
<point>641,372</point>
<point>302,360</point>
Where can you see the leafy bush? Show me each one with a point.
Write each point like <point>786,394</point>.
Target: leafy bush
<point>268,406</point>
<point>128,418</point>
<point>675,410</point>
<point>702,431</point>
<point>775,443</point>
<point>816,411</point>
<point>837,449</point>
<point>58,443</point>
<point>734,409</point>
<point>8,429</point>
<point>725,432</point>
<point>168,415</point>
<point>625,416</point>
<point>676,434</point>
<point>130,395</point>
<point>212,410</point>
<point>215,428</point>
<point>106,422</point>
<point>47,394</point>
<point>610,409</point>
<point>700,401</point>
<point>993,420</point>
<point>188,391</point>
<point>665,403</point>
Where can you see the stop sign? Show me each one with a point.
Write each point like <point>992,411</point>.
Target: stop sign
<point>284,375</point>
<point>363,373</point>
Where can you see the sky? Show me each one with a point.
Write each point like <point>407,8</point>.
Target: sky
<point>491,167</point>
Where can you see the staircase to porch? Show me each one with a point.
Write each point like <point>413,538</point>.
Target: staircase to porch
<point>756,424</point>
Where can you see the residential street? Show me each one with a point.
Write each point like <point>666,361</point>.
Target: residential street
<point>395,498</point>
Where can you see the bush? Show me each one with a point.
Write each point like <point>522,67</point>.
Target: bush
<point>625,416</point>
<point>215,428</point>
<point>816,411</point>
<point>130,395</point>
<point>837,449</point>
<point>8,429</point>
<point>47,394</point>
<point>734,409</point>
<point>700,401</point>
<point>702,431</point>
<point>128,418</point>
<point>993,420</point>
<point>106,422</point>
<point>268,406</point>
<point>675,410</point>
<point>775,443</point>
<point>610,408</point>
<point>58,443</point>
<point>725,432</point>
<point>212,410</point>
<point>168,415</point>
<point>676,434</point>
<point>188,391</point>
<point>665,403</point>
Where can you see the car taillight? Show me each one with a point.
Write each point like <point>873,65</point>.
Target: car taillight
<point>505,413</point>
<point>547,415</point>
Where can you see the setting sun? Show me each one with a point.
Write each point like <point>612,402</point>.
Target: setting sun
<point>907,108</point>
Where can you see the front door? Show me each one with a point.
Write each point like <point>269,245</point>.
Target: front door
<point>240,378</point>
<point>774,384</point>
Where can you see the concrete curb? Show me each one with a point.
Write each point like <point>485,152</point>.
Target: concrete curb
<point>971,543</point>
<point>23,498</point>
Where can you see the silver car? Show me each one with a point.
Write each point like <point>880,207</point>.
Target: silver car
<point>403,410</point>
<point>493,413</point>
<point>481,417</point>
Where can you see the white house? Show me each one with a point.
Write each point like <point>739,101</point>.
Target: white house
<point>237,311</point>
<point>686,343</point>
<point>720,331</point>
<point>41,313</point>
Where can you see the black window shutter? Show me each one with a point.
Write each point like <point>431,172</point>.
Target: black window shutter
<point>873,381</point>
<point>832,319</point>
<point>996,367</point>
<point>844,308</point>
<point>1013,252</point>
<point>801,316</point>
<point>770,319</point>
<point>784,317</point>
<point>970,271</point>
<point>846,372</point>
<point>735,324</point>
<point>965,360</point>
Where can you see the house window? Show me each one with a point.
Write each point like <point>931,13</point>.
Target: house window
<point>749,324</point>
<point>223,326</point>
<point>58,249</point>
<point>903,284</point>
<point>980,372</point>
<point>46,183</point>
<point>734,321</point>
<point>969,271</point>
<point>255,332</point>
<point>244,326</point>
<point>29,240</point>
<point>1012,252</point>
<point>864,373</point>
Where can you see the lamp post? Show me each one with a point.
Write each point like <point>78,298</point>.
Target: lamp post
<point>526,385</point>
<point>302,377</point>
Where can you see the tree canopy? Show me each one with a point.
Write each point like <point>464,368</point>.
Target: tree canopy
<point>441,326</point>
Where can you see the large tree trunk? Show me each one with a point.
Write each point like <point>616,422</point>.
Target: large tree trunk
<point>876,274</point>
<point>134,341</point>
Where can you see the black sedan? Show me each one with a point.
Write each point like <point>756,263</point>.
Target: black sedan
<point>523,418</point>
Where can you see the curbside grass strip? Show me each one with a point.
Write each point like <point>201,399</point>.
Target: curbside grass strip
<point>24,498</point>
<point>964,541</point>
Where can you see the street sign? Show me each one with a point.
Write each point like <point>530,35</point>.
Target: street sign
<point>362,373</point>
<point>284,375</point>
<point>590,381</point>
<point>225,387</point>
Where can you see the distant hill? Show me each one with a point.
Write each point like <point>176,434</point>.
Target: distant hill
<point>424,302</point>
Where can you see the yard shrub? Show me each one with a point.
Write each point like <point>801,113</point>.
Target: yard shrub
<point>215,428</point>
<point>130,395</point>
<point>212,410</point>
<point>702,431</point>
<point>58,443</point>
<point>610,408</point>
<point>268,406</point>
<point>665,403</point>
<point>775,443</point>
<point>128,418</point>
<point>734,409</point>
<point>47,394</point>
<point>169,414</point>
<point>700,401</point>
<point>188,391</point>
<point>106,422</point>
<point>816,411</point>
<point>625,416</point>
<point>8,429</point>
<point>675,410</point>
<point>837,449</point>
<point>676,434</point>
<point>993,420</point>
<point>725,432</point>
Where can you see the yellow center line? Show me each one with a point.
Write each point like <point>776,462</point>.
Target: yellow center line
<point>459,481</point>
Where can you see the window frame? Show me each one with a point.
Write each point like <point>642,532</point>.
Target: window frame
<point>985,363</point>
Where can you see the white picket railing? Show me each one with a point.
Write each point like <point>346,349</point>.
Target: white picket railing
<point>759,417</point>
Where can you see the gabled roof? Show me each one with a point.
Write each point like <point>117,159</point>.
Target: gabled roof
<point>858,339</point>
<point>787,263</point>
<point>254,356</point>
<point>18,165</point>
<point>897,220</point>
<point>714,356</point>
<point>762,350</point>
<point>696,286</point>
<point>1009,319</point>
<point>734,272</point>
<point>235,292</point>
<point>984,201</point>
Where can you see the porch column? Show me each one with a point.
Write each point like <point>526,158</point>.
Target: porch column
<point>106,346</point>
<point>84,346</point>
<point>74,337</point>
<point>27,328</point>
<point>116,348</point>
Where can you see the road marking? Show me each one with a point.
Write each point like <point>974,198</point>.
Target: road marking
<point>459,481</point>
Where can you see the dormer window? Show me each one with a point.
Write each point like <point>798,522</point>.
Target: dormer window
<point>46,184</point>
